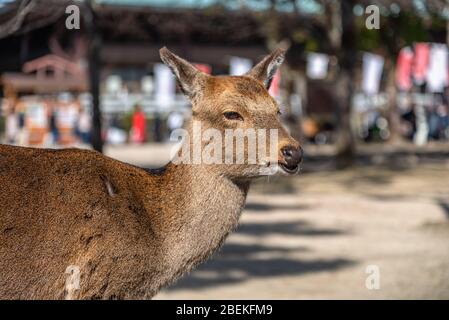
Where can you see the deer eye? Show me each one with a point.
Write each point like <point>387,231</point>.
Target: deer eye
<point>231,115</point>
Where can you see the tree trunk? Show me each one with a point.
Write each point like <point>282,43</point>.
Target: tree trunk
<point>94,76</point>
<point>393,115</point>
<point>344,86</point>
<point>447,24</point>
<point>345,144</point>
<point>290,78</point>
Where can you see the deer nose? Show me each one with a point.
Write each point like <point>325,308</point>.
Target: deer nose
<point>292,155</point>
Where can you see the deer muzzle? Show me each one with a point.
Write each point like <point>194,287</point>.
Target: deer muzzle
<point>291,158</point>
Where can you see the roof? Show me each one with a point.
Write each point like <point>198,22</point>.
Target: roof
<point>53,61</point>
<point>24,83</point>
<point>146,23</point>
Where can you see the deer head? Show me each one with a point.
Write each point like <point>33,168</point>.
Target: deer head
<point>228,108</point>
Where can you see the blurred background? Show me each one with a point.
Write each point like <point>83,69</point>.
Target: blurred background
<point>364,88</point>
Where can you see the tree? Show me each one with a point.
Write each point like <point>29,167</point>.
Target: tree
<point>94,74</point>
<point>343,30</point>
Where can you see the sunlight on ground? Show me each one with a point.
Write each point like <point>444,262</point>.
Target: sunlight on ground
<point>317,237</point>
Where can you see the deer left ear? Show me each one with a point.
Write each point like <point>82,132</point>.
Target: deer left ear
<point>189,78</point>
<point>265,70</point>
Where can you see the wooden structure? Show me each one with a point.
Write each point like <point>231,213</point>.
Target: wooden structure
<point>47,77</point>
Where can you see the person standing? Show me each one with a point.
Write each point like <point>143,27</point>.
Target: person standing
<point>84,125</point>
<point>138,127</point>
<point>12,126</point>
<point>53,125</point>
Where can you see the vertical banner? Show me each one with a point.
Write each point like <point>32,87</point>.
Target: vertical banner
<point>147,85</point>
<point>36,115</point>
<point>114,84</point>
<point>404,69</point>
<point>239,66</point>
<point>36,121</point>
<point>373,65</point>
<point>165,84</point>
<point>421,62</point>
<point>437,78</point>
<point>317,66</point>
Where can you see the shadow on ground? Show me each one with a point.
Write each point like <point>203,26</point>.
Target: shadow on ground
<point>299,228</point>
<point>238,262</point>
<point>444,204</point>
<point>266,207</point>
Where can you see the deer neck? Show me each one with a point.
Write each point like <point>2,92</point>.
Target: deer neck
<point>199,209</point>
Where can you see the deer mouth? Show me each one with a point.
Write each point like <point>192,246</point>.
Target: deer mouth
<point>289,169</point>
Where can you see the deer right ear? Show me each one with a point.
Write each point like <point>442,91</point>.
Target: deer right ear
<point>189,78</point>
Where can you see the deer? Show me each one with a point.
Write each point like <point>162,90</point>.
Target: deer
<point>76,224</point>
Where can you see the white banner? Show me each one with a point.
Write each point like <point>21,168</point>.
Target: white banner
<point>165,83</point>
<point>373,65</point>
<point>317,65</point>
<point>239,66</point>
<point>438,67</point>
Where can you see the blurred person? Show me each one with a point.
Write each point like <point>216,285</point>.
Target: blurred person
<point>157,128</point>
<point>422,126</point>
<point>115,122</point>
<point>408,124</point>
<point>115,134</point>
<point>21,108</point>
<point>6,109</point>
<point>37,120</point>
<point>443,116</point>
<point>67,117</point>
<point>21,115</point>
<point>310,128</point>
<point>84,126</point>
<point>53,126</point>
<point>434,124</point>
<point>11,126</point>
<point>138,126</point>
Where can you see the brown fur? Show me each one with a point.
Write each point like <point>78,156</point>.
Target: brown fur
<point>129,231</point>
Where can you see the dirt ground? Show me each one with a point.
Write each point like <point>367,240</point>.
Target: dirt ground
<point>315,236</point>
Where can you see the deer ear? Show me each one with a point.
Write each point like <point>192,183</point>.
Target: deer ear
<point>265,70</point>
<point>189,78</point>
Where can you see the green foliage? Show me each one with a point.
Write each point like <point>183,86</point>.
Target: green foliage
<point>398,31</point>
<point>311,45</point>
<point>410,28</point>
<point>126,121</point>
<point>367,40</point>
